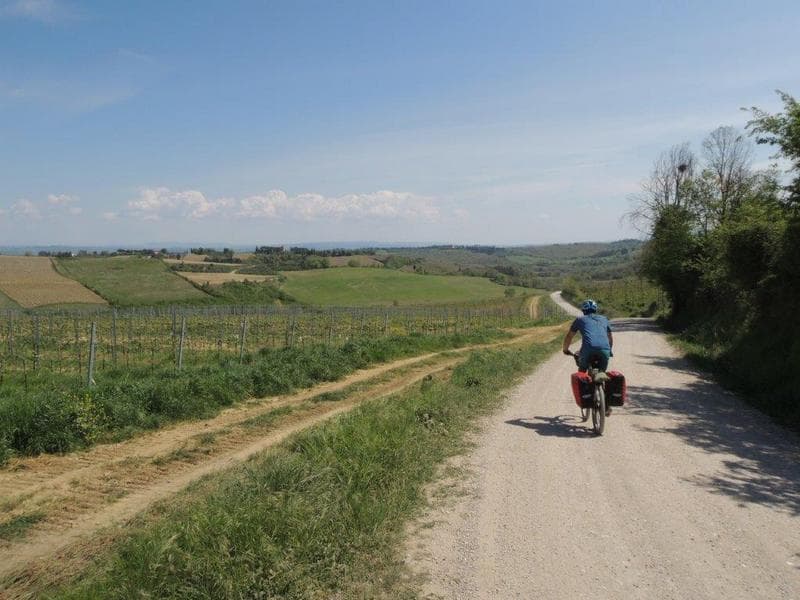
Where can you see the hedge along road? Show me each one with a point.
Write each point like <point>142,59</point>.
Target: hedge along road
<point>688,494</point>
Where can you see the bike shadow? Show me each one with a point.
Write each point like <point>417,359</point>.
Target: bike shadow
<point>558,426</point>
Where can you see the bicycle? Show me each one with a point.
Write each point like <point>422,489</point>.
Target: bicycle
<point>598,407</point>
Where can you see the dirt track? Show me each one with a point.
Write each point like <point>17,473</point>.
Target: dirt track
<point>689,494</point>
<point>86,495</point>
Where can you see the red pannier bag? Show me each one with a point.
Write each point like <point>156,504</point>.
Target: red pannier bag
<point>616,389</point>
<point>582,389</point>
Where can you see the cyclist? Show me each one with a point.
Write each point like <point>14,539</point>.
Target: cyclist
<point>597,339</point>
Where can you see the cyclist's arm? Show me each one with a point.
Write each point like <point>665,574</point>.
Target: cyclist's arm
<point>567,341</point>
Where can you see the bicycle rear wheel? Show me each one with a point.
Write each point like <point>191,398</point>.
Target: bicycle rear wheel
<point>599,410</point>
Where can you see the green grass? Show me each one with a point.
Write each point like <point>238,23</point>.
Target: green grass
<point>348,286</point>
<point>6,302</point>
<point>17,526</point>
<point>131,280</point>
<point>248,293</point>
<point>763,383</point>
<point>321,516</point>
<point>58,414</point>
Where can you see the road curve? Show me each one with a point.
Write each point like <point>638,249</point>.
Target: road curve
<point>570,310</point>
<point>689,494</point>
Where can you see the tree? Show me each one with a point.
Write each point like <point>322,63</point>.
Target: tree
<point>781,130</point>
<point>729,156</point>
<point>665,187</point>
<point>668,256</point>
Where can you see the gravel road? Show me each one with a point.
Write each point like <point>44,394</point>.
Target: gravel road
<point>689,493</point>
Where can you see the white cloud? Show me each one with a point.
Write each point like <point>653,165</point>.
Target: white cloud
<point>157,203</point>
<point>110,216</point>
<point>26,209</point>
<point>61,204</point>
<point>61,199</point>
<point>46,11</point>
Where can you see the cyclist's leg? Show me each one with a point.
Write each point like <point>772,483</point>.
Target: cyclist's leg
<point>586,355</point>
<point>604,356</point>
<point>583,359</point>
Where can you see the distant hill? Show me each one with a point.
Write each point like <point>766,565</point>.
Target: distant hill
<point>534,266</point>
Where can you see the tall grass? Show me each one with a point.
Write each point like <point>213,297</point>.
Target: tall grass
<point>56,414</point>
<point>319,517</point>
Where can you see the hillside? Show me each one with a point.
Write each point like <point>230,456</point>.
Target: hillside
<point>131,280</point>
<point>347,286</point>
<point>535,266</point>
<point>31,281</point>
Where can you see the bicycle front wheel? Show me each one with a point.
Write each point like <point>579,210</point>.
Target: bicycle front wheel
<point>599,410</point>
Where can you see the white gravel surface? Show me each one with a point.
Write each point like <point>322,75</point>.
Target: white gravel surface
<point>689,493</point>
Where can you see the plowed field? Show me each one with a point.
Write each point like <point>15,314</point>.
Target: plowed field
<point>32,281</point>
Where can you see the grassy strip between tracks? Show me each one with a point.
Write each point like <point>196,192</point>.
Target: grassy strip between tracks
<point>322,515</point>
<point>57,415</point>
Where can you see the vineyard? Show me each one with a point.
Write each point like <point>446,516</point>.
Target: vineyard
<point>83,343</point>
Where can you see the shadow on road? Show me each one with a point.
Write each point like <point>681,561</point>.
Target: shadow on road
<point>630,324</point>
<point>559,426</point>
<point>762,465</point>
<point>676,365</point>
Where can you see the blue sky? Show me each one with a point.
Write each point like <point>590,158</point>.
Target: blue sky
<point>277,122</point>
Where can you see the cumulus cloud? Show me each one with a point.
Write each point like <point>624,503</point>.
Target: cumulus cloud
<point>56,206</point>
<point>110,216</point>
<point>26,209</point>
<point>158,203</point>
<point>60,204</point>
<point>61,199</point>
<point>155,203</point>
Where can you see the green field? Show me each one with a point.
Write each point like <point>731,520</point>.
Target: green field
<point>131,280</point>
<point>361,287</point>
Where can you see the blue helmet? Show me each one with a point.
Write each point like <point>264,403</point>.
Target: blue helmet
<point>590,306</point>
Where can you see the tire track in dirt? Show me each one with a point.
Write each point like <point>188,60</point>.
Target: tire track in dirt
<point>533,307</point>
<point>84,493</point>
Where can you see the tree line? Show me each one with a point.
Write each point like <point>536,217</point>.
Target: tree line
<point>724,242</point>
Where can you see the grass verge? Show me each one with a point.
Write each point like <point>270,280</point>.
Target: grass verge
<point>759,381</point>
<point>58,415</point>
<point>322,515</point>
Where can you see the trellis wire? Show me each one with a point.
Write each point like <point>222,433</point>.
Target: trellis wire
<point>88,341</point>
